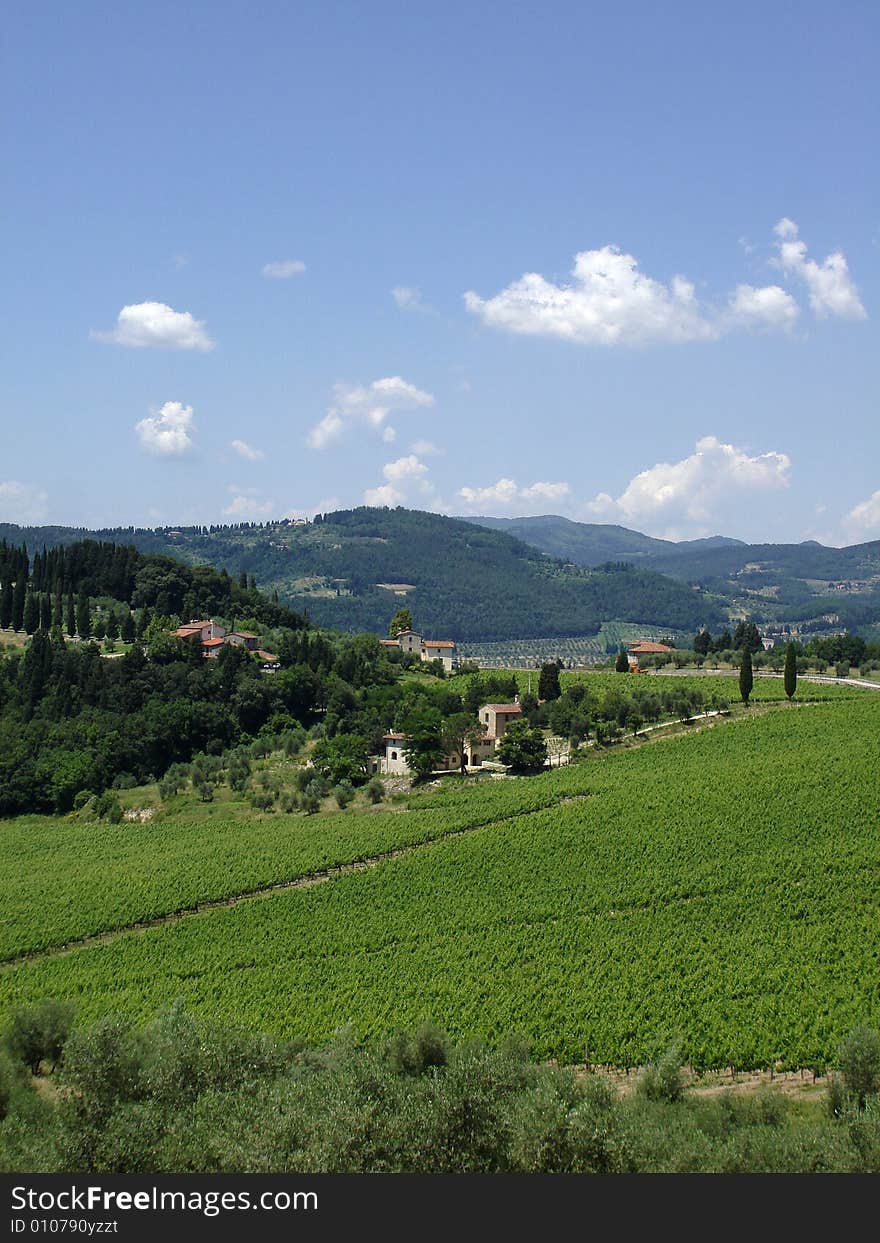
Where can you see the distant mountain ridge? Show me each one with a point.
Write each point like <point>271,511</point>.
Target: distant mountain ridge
<point>774,583</point>
<point>486,579</point>
<point>352,569</point>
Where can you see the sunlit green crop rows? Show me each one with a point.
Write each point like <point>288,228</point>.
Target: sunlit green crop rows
<point>725,884</point>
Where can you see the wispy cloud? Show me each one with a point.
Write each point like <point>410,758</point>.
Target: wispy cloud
<point>145,325</point>
<point>371,404</point>
<point>23,503</point>
<point>283,269</point>
<point>409,299</point>
<point>506,493</point>
<point>248,452</point>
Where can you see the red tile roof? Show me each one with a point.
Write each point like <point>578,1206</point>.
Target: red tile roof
<point>213,643</point>
<point>645,647</point>
<point>437,643</point>
<point>393,737</point>
<point>505,708</point>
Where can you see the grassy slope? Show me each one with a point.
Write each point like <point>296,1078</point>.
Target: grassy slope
<point>724,883</point>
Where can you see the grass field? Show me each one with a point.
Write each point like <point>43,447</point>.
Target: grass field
<point>723,884</point>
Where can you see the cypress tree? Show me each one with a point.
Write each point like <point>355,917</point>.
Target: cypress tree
<point>112,626</point>
<point>83,620</point>
<point>127,627</point>
<point>621,665</point>
<point>58,608</point>
<point>6,605</point>
<point>71,616</point>
<point>31,616</point>
<point>18,601</point>
<point>746,678</point>
<point>790,673</point>
<point>46,612</point>
<point>548,682</point>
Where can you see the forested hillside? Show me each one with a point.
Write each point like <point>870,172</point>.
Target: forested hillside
<point>461,581</point>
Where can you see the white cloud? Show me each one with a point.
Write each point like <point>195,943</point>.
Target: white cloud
<point>409,299</point>
<point>829,283</point>
<point>153,324</point>
<point>385,494</point>
<point>404,468</point>
<point>243,449</point>
<point>246,505</point>
<point>506,492</point>
<point>389,434</point>
<point>685,498</point>
<point>283,269</point>
<point>23,503</point>
<point>863,520</point>
<point>168,432</point>
<point>609,302</point>
<point>370,404</point>
<point>768,307</point>
<point>425,448</point>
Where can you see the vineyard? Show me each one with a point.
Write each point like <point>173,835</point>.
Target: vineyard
<point>723,885</point>
<point>574,651</point>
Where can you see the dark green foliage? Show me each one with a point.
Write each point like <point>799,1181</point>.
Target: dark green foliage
<point>18,602</point>
<point>621,665</point>
<point>6,592</point>
<point>790,672</point>
<point>746,677</point>
<point>858,1059</point>
<point>344,793</point>
<point>663,1080</point>
<point>747,637</point>
<point>548,682</point>
<point>522,747</point>
<point>343,758</point>
<point>375,790</point>
<point>185,1095</point>
<point>37,1034</point>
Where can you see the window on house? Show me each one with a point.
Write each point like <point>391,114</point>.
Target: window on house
<point>394,755</point>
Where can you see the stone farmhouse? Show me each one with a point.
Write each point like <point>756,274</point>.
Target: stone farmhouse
<point>427,649</point>
<point>213,637</point>
<point>495,719</point>
<point>642,648</point>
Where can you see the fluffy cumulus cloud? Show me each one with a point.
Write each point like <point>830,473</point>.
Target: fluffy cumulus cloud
<point>681,499</point>
<point>830,286</point>
<point>609,302</point>
<point>506,493</point>
<point>863,520</point>
<point>400,478</point>
<point>369,405</point>
<point>283,269</point>
<point>168,432</point>
<point>153,324</point>
<point>248,452</point>
<point>766,307</point>
<point>22,503</point>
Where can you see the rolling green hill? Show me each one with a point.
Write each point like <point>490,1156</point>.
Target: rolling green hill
<point>783,583</point>
<point>352,569</point>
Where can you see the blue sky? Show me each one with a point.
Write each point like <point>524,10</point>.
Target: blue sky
<point>613,261</point>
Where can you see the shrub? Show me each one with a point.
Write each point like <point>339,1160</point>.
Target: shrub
<point>344,794</point>
<point>375,790</point>
<point>662,1080</point>
<point>262,801</point>
<point>108,807</point>
<point>858,1059</point>
<point>38,1033</point>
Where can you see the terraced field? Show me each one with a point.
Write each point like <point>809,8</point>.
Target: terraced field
<point>724,884</point>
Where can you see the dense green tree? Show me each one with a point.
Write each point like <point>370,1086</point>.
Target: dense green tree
<point>522,747</point>
<point>790,673</point>
<point>18,602</point>
<point>702,643</point>
<point>402,620</point>
<point>6,604</point>
<point>423,744</point>
<point>459,731</point>
<point>70,620</point>
<point>344,758</point>
<point>45,612</point>
<point>83,617</point>
<point>747,635</point>
<point>746,679</point>
<point>127,627</point>
<point>31,617</point>
<point>548,682</point>
<point>622,662</point>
